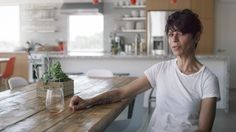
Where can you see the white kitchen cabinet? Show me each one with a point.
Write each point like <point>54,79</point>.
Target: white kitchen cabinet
<point>133,31</point>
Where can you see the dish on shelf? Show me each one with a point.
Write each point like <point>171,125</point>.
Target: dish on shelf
<point>126,15</point>
<point>41,19</point>
<point>133,30</point>
<point>131,6</point>
<point>134,13</point>
<point>134,18</point>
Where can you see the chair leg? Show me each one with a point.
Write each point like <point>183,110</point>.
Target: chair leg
<point>6,83</point>
<point>1,84</point>
<point>150,101</point>
<point>130,109</point>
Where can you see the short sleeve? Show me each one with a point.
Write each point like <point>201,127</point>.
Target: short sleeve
<point>151,74</point>
<point>211,88</point>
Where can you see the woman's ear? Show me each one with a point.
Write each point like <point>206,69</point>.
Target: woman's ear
<point>197,37</point>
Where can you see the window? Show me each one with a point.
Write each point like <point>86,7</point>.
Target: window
<point>9,28</point>
<point>86,32</point>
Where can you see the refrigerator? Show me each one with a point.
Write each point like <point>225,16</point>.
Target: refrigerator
<point>156,36</point>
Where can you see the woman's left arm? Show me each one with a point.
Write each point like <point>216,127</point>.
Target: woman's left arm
<point>207,114</point>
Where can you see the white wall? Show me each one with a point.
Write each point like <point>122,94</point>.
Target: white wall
<point>225,38</point>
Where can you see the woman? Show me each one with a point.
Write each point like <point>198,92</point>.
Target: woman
<point>186,90</point>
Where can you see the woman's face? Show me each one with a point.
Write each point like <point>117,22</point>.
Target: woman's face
<point>181,44</point>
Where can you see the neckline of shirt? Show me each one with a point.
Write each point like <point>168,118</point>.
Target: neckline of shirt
<point>188,75</point>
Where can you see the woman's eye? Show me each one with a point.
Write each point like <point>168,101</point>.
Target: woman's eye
<point>180,34</point>
<point>170,35</point>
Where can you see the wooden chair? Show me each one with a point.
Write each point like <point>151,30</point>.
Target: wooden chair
<point>8,72</point>
<point>15,82</point>
<point>133,124</point>
<point>151,99</point>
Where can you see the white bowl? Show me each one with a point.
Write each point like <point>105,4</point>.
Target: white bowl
<point>129,25</point>
<point>139,25</point>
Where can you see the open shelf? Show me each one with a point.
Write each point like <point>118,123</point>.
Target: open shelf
<point>133,30</point>
<point>41,31</point>
<point>132,6</point>
<point>133,18</point>
<point>41,19</point>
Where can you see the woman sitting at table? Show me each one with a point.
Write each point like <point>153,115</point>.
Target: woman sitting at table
<point>186,90</point>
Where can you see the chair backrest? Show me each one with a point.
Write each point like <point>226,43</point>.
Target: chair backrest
<point>9,68</point>
<point>133,124</point>
<point>138,114</point>
<point>17,82</point>
<point>99,73</point>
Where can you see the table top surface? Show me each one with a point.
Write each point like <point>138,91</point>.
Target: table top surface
<point>22,110</point>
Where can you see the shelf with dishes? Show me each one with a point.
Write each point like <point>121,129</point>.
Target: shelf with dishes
<point>131,6</point>
<point>133,30</point>
<point>133,18</point>
<point>40,31</point>
<point>40,19</point>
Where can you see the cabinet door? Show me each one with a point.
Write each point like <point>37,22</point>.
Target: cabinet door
<point>205,8</point>
<point>180,4</point>
<point>157,5</point>
<point>206,43</point>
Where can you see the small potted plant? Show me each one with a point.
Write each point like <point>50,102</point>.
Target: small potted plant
<point>55,78</point>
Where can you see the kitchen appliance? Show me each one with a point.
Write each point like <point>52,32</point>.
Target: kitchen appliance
<point>119,40</point>
<point>158,46</point>
<point>157,38</point>
<point>35,67</point>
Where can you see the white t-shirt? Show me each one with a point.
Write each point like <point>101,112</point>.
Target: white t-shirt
<point>179,96</point>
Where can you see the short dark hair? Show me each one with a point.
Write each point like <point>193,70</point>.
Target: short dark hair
<point>184,21</point>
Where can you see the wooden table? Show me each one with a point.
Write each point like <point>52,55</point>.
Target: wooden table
<point>22,110</point>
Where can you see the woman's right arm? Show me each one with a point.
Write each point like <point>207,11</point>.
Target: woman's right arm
<point>135,87</point>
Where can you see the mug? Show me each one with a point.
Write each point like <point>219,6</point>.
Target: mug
<point>142,13</point>
<point>139,25</point>
<point>129,25</point>
<point>134,13</point>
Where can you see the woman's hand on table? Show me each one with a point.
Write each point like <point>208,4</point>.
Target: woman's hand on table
<point>77,103</point>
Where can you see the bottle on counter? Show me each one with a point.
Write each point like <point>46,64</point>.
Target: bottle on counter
<point>114,46</point>
<point>137,42</point>
<point>128,49</point>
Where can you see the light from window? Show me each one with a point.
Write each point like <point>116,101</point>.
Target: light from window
<point>86,32</point>
<point>9,28</point>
